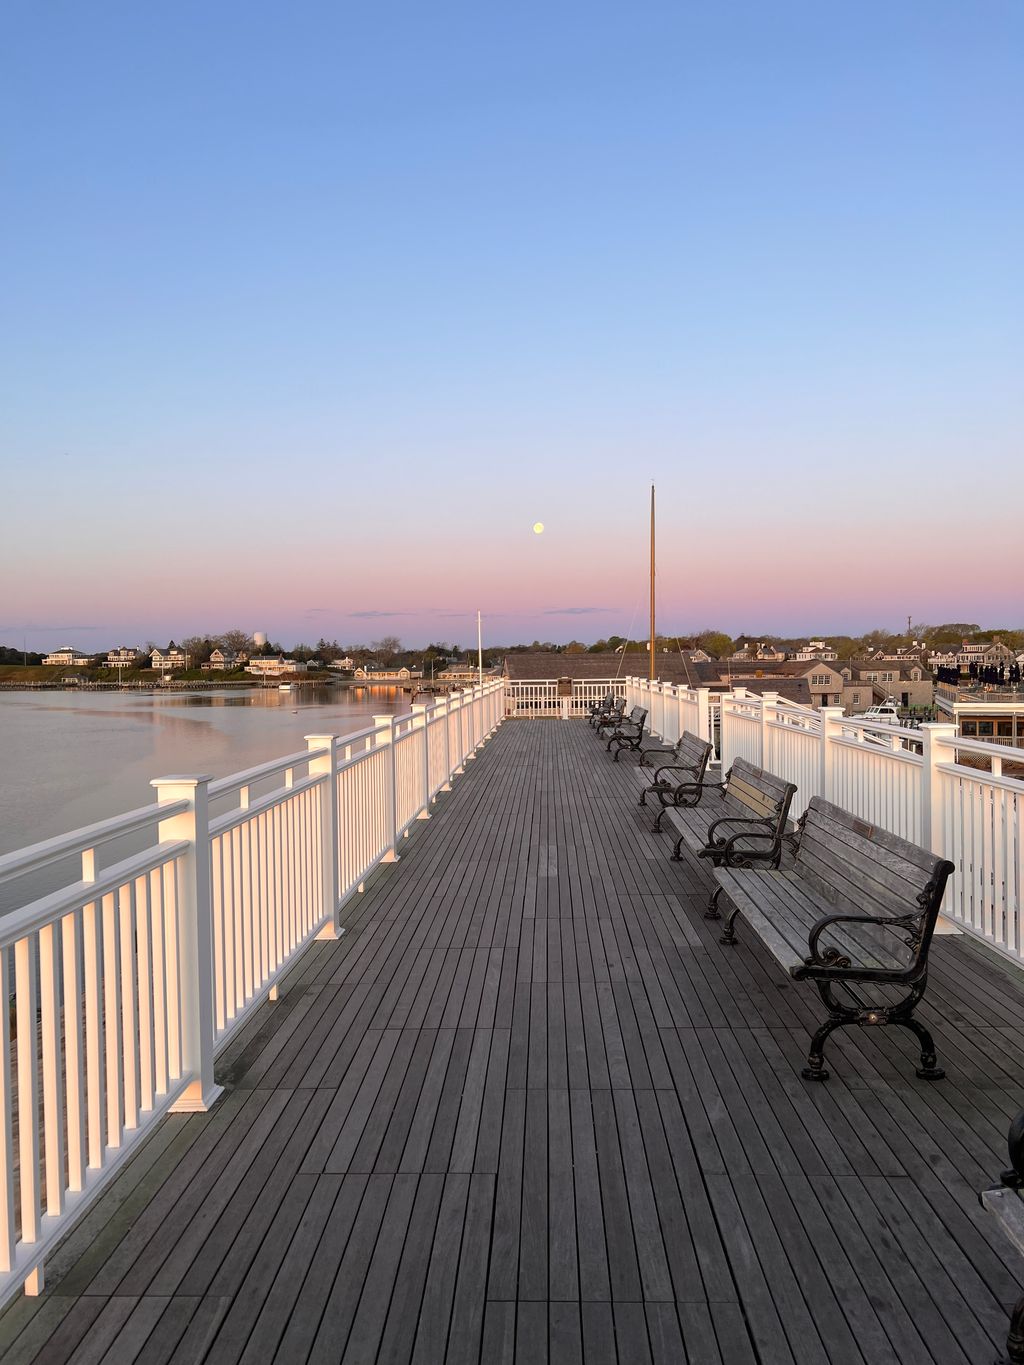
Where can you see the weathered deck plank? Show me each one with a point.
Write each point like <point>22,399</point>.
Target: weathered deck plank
<point>529,1109</point>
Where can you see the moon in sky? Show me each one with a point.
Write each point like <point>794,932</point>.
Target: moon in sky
<point>538,528</point>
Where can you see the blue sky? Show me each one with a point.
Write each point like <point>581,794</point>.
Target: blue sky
<point>311,311</point>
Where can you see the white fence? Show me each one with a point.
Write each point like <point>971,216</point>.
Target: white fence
<point>125,984</point>
<point>961,798</point>
<point>532,697</point>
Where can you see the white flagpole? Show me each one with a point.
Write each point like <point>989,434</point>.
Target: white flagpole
<point>479,650</point>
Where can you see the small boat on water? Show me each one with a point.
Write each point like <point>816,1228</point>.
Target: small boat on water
<point>284,687</point>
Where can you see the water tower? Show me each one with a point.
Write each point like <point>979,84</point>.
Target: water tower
<point>259,638</point>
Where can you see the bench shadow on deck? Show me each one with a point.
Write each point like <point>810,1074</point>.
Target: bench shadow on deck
<point>529,1108</point>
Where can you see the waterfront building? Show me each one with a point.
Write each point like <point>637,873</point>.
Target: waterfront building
<point>68,658</point>
<point>123,657</point>
<point>169,660</point>
<point>980,712</point>
<point>273,666</point>
<point>221,660</point>
<point>371,673</point>
<point>346,664</point>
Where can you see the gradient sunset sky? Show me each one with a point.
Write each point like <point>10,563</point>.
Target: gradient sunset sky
<point>311,310</point>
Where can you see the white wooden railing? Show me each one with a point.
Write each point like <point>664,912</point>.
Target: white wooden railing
<point>961,798</point>
<point>538,697</point>
<point>125,983</point>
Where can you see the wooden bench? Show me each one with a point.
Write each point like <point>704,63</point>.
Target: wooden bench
<point>609,714</point>
<point>739,824</point>
<point>1006,1204</point>
<point>679,779</point>
<point>858,907</point>
<point>596,708</point>
<point>628,734</point>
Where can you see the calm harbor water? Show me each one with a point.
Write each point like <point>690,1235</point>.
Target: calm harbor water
<point>68,759</point>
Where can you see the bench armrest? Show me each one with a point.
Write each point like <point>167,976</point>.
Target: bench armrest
<point>832,957</point>
<point>676,768</point>
<point>757,820</point>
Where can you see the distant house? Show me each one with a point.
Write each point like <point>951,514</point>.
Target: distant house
<point>222,661</point>
<point>816,649</point>
<point>68,658</point>
<point>984,653</point>
<point>124,657</point>
<point>902,654</point>
<point>371,673</point>
<point>824,679</point>
<point>459,672</point>
<point>867,681</point>
<point>273,666</point>
<point>169,660</point>
<point>763,651</point>
<point>345,663</point>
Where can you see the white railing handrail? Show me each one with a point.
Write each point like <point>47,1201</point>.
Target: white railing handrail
<point>22,861</point>
<point>28,919</point>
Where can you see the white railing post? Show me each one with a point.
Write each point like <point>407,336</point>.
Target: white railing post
<point>831,727</point>
<point>703,713</point>
<point>419,712</point>
<point>195,931</point>
<point>326,764</point>
<point>768,702</point>
<point>385,740</point>
<point>934,753</point>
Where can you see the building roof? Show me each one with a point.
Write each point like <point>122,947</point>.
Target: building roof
<point>799,668</point>
<point>789,689</point>
<point>669,668</point>
<point>900,671</point>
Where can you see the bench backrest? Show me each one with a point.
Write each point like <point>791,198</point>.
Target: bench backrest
<point>766,796</point>
<point>693,754</point>
<point>863,869</point>
<point>638,715</point>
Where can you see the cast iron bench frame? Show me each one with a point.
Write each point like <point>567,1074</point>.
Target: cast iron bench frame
<point>689,756</point>
<point>743,826</point>
<point>875,896</point>
<point>596,708</point>
<point>628,734</point>
<point>607,714</point>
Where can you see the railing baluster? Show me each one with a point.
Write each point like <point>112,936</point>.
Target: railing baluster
<point>7,1230</point>
<point>53,1108</point>
<point>28,1096</point>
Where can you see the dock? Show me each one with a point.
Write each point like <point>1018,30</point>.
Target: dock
<point>528,1108</point>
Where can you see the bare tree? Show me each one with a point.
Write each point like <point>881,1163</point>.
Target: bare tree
<point>387,648</point>
<point>238,641</point>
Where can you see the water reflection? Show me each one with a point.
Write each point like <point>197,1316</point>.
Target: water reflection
<point>68,759</point>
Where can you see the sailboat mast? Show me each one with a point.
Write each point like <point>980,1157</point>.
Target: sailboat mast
<point>652,583</point>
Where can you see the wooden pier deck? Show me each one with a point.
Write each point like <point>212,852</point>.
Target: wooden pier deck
<point>530,1109</point>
